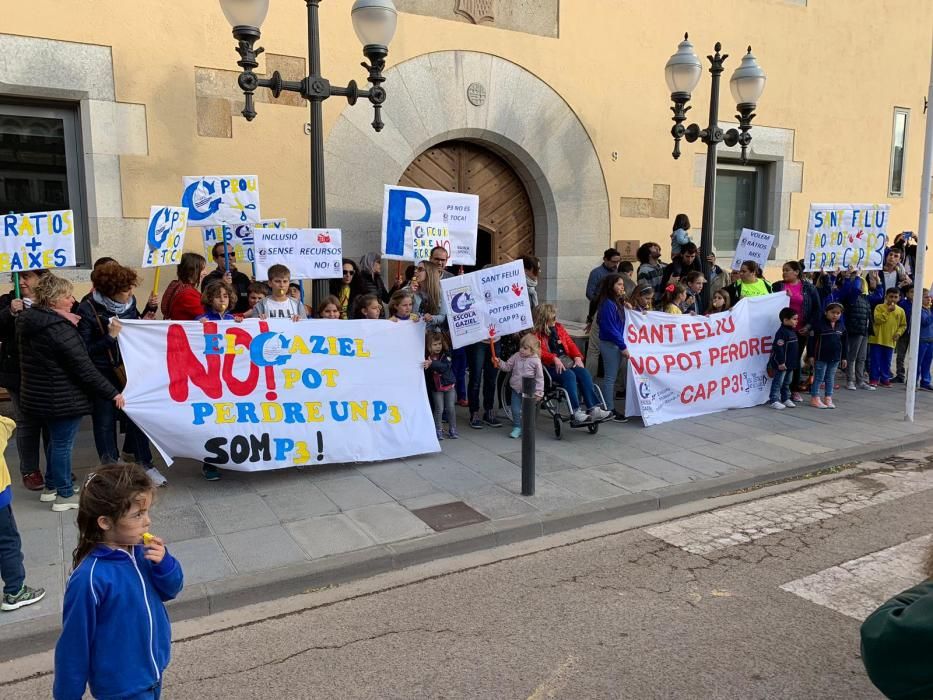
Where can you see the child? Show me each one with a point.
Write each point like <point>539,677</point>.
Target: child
<point>672,297</point>
<point>441,380</point>
<point>856,309</point>
<point>900,350</point>
<point>890,324</point>
<point>216,301</point>
<point>116,636</point>
<point>784,359</point>
<point>400,306</point>
<point>329,308</point>
<point>825,352</point>
<point>281,304</point>
<point>718,302</point>
<point>525,363</point>
<point>925,355</point>
<point>294,292</point>
<point>257,292</point>
<point>641,298</point>
<point>367,306</point>
<point>16,594</point>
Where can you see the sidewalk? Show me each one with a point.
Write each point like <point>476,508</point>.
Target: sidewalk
<point>254,536</point>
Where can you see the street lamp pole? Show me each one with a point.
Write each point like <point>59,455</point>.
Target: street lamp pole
<point>374,22</point>
<point>682,74</point>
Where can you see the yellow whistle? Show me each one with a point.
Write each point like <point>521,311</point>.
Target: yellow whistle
<point>147,538</point>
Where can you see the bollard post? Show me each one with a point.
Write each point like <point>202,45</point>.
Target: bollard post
<point>528,436</point>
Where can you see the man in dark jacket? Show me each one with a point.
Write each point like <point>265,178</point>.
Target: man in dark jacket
<point>234,277</point>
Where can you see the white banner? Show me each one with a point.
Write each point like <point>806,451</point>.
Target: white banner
<point>752,245</point>
<point>270,394</point>
<point>492,299</point>
<point>840,236</point>
<point>308,253</point>
<point>38,240</point>
<point>165,238</point>
<point>683,366</point>
<point>240,238</point>
<point>416,220</point>
<point>213,200</point>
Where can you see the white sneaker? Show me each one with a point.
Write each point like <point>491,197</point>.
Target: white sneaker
<point>777,406</point>
<point>156,477</point>
<point>48,495</point>
<point>597,413</point>
<point>867,387</point>
<point>580,416</point>
<point>789,404</point>
<point>851,386</point>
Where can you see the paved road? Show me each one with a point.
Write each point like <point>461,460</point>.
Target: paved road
<point>756,600</point>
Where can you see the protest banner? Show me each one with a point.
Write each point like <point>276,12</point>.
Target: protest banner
<point>840,236</point>
<point>752,245</point>
<point>38,240</point>
<point>308,253</point>
<point>492,299</point>
<point>213,200</point>
<point>165,239</point>
<point>416,220</point>
<point>270,394</point>
<point>683,366</point>
<point>240,238</point>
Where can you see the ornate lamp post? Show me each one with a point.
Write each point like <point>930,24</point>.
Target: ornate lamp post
<point>682,74</point>
<point>374,22</point>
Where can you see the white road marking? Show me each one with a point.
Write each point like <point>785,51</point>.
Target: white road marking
<point>740,524</point>
<point>857,587</point>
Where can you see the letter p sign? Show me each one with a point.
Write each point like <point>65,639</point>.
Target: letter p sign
<point>400,217</point>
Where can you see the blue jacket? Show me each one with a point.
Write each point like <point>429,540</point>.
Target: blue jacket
<point>926,326</point>
<point>827,343</point>
<point>116,635</point>
<point>784,349</point>
<point>857,306</point>
<point>612,323</point>
<point>907,305</point>
<point>597,275</point>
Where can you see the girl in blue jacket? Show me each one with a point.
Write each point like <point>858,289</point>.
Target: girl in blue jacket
<point>612,349</point>
<point>116,635</point>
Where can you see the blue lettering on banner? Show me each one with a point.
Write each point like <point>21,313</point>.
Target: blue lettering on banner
<point>397,222</point>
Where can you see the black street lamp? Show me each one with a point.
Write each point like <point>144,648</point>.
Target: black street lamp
<point>374,22</point>
<point>682,74</point>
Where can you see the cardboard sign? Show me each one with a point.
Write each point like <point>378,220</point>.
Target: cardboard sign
<point>239,238</point>
<point>37,241</point>
<point>308,253</point>
<point>214,200</point>
<point>413,219</point>
<point>165,237</point>
<point>752,245</point>
<point>840,236</point>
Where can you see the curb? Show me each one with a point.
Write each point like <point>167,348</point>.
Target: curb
<point>40,633</point>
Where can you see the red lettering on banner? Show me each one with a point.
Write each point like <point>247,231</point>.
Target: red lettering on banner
<point>645,365</point>
<point>652,334</point>
<point>183,366</point>
<point>237,386</point>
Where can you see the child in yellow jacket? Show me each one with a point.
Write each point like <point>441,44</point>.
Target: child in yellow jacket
<point>890,323</point>
<point>16,594</point>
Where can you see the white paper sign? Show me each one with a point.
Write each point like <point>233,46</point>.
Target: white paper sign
<point>840,236</point>
<point>270,394</point>
<point>494,298</point>
<point>753,245</point>
<point>38,240</point>
<point>683,366</point>
<point>240,238</point>
<point>308,253</point>
<point>414,219</point>
<point>272,223</point>
<point>213,200</point>
<point>165,237</point>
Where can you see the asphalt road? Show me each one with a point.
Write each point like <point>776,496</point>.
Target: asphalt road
<point>626,615</point>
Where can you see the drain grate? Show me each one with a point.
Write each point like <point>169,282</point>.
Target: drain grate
<point>447,516</point>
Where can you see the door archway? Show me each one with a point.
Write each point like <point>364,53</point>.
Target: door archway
<point>505,213</point>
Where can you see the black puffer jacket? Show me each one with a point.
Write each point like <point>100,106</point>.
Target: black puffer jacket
<point>57,377</point>
<point>9,350</point>
<point>373,284</point>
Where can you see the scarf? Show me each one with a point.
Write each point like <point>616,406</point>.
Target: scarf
<point>68,316</point>
<point>114,307</point>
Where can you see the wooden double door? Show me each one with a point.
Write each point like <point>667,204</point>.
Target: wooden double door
<point>506,220</point>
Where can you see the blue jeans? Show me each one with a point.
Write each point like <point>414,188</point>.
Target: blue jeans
<point>105,418</point>
<point>879,362</point>
<point>62,434</point>
<point>482,373</point>
<point>577,380</point>
<point>516,408</point>
<point>780,385</point>
<point>823,372</point>
<point>11,553</point>
<point>924,359</point>
<point>612,360</point>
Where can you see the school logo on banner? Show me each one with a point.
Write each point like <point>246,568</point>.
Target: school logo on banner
<point>308,253</point>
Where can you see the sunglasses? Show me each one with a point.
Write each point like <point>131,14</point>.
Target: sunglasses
<point>349,272</point>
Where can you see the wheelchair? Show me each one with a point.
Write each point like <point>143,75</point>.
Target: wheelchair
<point>556,403</point>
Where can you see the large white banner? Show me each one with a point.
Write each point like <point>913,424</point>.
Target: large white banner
<point>840,236</point>
<point>38,240</point>
<point>271,394</point>
<point>492,300</point>
<point>308,253</point>
<point>683,366</point>
<point>212,200</point>
<point>414,221</point>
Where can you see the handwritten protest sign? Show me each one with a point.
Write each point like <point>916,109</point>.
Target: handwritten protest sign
<point>165,238</point>
<point>493,298</point>
<point>752,245</point>
<point>38,240</point>
<point>684,366</point>
<point>308,253</point>
<point>240,239</point>
<point>846,235</point>
<point>416,220</point>
<point>272,223</point>
<point>270,394</point>
<point>213,200</point>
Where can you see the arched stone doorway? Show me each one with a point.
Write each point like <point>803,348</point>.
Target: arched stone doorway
<point>506,218</point>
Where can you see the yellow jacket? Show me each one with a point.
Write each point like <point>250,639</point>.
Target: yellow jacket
<point>7,426</point>
<point>888,324</point>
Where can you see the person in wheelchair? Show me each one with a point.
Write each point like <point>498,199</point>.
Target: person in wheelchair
<point>564,362</point>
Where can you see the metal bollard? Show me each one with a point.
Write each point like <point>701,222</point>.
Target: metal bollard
<point>528,436</point>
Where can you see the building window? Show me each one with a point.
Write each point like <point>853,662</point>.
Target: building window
<point>898,148</point>
<point>40,163</point>
<point>740,203</point>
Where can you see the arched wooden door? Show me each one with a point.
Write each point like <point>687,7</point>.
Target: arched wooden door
<point>505,214</point>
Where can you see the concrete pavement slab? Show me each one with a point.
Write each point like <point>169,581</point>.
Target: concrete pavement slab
<point>627,477</point>
<point>299,501</point>
<point>496,502</point>
<point>180,523</point>
<point>213,562</point>
<point>584,483</point>
<point>238,513</point>
<point>353,492</point>
<point>329,534</point>
<point>388,522</point>
<point>261,548</point>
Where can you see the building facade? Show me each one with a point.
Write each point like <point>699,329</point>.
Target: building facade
<point>554,112</point>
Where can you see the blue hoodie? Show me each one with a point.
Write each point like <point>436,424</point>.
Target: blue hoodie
<point>116,635</point>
